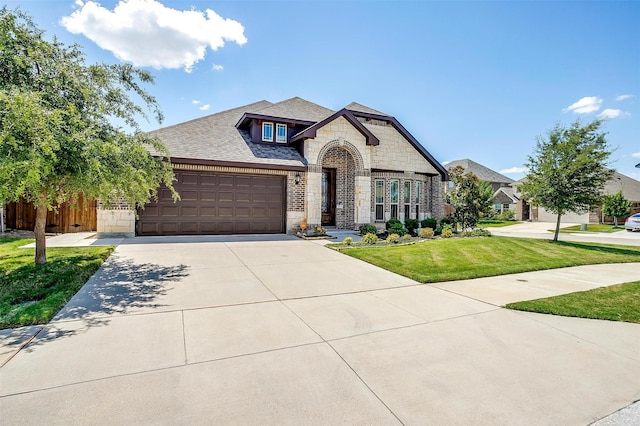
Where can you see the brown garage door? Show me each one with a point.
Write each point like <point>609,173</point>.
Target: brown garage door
<point>216,203</point>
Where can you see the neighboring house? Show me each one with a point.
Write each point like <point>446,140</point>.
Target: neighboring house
<point>504,197</point>
<point>630,189</point>
<point>267,167</point>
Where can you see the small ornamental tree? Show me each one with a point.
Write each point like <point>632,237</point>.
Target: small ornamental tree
<point>467,198</point>
<point>568,170</point>
<point>58,139</point>
<point>615,205</point>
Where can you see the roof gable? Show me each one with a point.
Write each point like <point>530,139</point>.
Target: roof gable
<point>483,172</point>
<point>297,109</point>
<point>354,106</point>
<point>310,132</point>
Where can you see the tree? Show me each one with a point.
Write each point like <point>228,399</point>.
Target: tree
<point>467,198</point>
<point>568,170</point>
<point>485,197</point>
<point>58,139</point>
<point>616,205</point>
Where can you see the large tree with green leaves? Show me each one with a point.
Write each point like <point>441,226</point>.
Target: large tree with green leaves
<point>468,197</point>
<point>615,205</point>
<point>568,170</point>
<point>70,129</point>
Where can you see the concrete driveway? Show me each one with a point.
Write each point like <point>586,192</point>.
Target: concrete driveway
<point>243,331</point>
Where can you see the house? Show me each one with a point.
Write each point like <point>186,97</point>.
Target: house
<point>268,167</point>
<point>630,189</point>
<point>504,197</point>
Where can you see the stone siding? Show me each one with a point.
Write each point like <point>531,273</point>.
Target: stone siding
<point>340,159</point>
<point>116,222</point>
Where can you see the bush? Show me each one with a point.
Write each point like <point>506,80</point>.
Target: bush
<point>393,239</point>
<point>507,215</point>
<point>391,223</point>
<point>446,233</point>
<point>406,238</point>
<point>426,233</point>
<point>368,229</point>
<point>480,232</point>
<point>397,229</point>
<point>347,241</point>
<point>411,225</point>
<point>448,220</point>
<point>429,222</point>
<point>370,238</point>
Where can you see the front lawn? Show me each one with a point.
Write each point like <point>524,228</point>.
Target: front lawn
<point>496,223</point>
<point>615,303</point>
<point>464,258</point>
<point>593,227</point>
<point>31,294</point>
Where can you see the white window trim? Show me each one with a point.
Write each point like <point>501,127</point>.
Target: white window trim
<point>263,127</point>
<point>375,199</point>
<point>397,202</point>
<point>279,126</point>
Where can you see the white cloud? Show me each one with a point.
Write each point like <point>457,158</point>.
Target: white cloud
<point>585,105</point>
<point>147,33</point>
<point>513,170</point>
<point>611,113</point>
<point>623,97</point>
<point>444,163</point>
<point>205,107</point>
<point>636,154</point>
<point>217,67</point>
<point>195,102</point>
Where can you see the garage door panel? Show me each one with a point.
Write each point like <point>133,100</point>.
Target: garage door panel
<point>216,203</point>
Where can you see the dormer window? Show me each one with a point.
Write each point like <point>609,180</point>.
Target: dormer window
<point>267,132</point>
<point>281,133</point>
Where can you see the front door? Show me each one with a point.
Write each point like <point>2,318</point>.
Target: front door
<point>328,197</point>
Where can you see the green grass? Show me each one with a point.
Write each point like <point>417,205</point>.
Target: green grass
<point>464,258</point>
<point>593,228</point>
<point>615,303</point>
<point>31,294</point>
<point>496,223</point>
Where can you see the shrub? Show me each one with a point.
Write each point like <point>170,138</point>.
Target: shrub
<point>426,233</point>
<point>368,229</point>
<point>370,239</point>
<point>447,220</point>
<point>391,223</point>
<point>480,232</point>
<point>347,241</point>
<point>411,225</point>
<point>397,229</point>
<point>508,215</point>
<point>406,238</point>
<point>446,233</point>
<point>429,222</point>
<point>393,239</point>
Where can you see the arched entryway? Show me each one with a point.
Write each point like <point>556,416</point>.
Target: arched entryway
<point>338,188</point>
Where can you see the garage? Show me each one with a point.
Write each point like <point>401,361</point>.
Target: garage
<point>217,204</point>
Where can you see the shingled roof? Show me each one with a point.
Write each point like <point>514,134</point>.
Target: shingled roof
<point>215,138</point>
<point>221,139</point>
<point>483,173</point>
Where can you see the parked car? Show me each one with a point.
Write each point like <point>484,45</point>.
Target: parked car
<point>632,223</point>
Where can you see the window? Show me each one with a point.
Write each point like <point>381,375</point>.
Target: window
<point>394,187</point>
<point>267,132</point>
<point>505,206</point>
<point>407,199</point>
<point>379,200</point>
<point>417,195</point>
<point>281,133</point>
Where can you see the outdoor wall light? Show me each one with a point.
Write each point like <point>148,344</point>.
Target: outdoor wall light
<point>297,178</point>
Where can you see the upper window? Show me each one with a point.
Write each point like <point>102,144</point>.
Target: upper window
<point>267,132</point>
<point>281,133</point>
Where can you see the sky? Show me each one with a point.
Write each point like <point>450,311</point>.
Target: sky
<point>469,79</point>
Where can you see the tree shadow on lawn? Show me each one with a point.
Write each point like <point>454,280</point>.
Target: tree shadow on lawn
<point>117,288</point>
<point>611,249</point>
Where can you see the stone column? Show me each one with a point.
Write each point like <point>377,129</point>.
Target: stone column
<point>313,198</point>
<point>362,212</point>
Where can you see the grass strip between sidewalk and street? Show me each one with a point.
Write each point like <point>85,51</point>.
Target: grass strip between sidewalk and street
<point>615,303</point>
<point>464,258</point>
<point>31,294</point>
<point>593,227</point>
